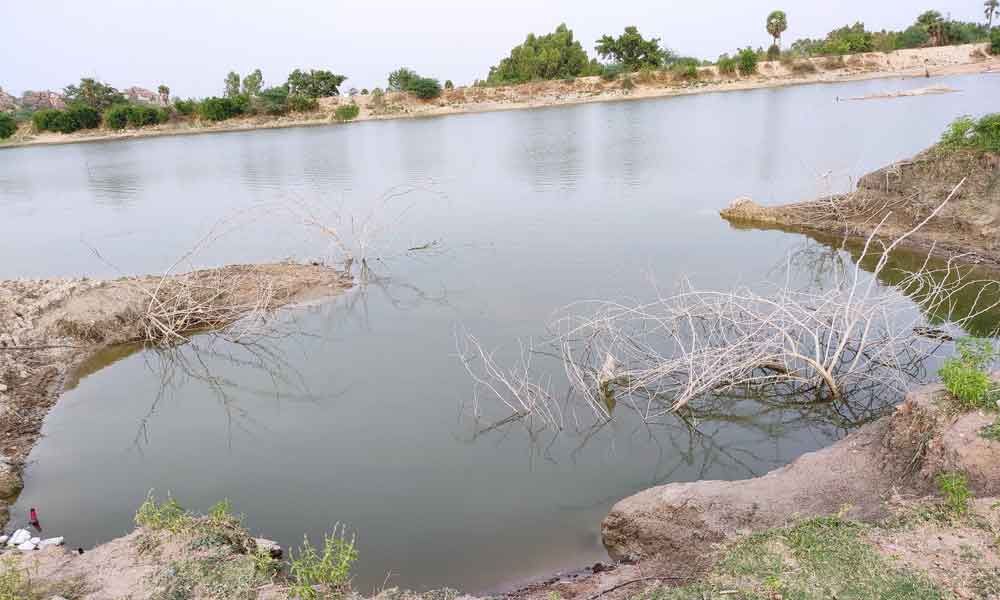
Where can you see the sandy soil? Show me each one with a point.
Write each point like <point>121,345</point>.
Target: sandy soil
<point>948,60</point>
<point>50,327</point>
<point>904,194</point>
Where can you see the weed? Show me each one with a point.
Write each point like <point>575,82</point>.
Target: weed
<point>348,112</point>
<point>992,431</point>
<point>330,572</point>
<point>955,489</point>
<point>965,376</point>
<point>168,516</point>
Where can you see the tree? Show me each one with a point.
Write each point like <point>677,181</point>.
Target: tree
<point>556,55</point>
<point>991,8</point>
<point>401,78</point>
<point>232,84</point>
<point>632,50</point>
<point>777,23</point>
<point>425,88</point>
<point>253,83</point>
<point>314,83</point>
<point>164,93</point>
<point>94,94</point>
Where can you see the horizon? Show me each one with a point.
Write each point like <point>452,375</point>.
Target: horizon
<point>171,48</point>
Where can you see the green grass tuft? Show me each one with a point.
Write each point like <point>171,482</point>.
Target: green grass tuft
<point>954,487</point>
<point>325,575</point>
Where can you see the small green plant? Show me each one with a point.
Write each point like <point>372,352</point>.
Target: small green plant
<point>348,112</point>
<point>774,52</point>
<point>166,516</point>
<point>449,85</point>
<point>746,62</point>
<point>726,65</point>
<point>627,84</point>
<point>329,571</point>
<point>186,107</point>
<point>995,41</point>
<point>954,487</point>
<point>965,376</point>
<point>7,126</point>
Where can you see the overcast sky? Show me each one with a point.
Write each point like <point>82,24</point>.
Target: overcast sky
<point>191,44</point>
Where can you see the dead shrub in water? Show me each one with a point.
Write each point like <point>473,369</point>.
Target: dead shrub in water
<point>658,357</point>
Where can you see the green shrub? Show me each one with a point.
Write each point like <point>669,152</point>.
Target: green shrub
<point>726,65</point>
<point>300,103</point>
<point>7,126</point>
<point>219,109</point>
<point>273,100</point>
<point>348,112</point>
<point>116,117</point>
<point>54,120</point>
<point>627,84</point>
<point>84,116</point>
<point>746,62</point>
<point>448,85</point>
<point>186,107</point>
<point>685,72</point>
<point>774,52</point>
<point>612,71</point>
<point>995,41</point>
<point>425,88</point>
<point>330,571</point>
<point>965,376</point>
<point>141,116</point>
<point>954,487</point>
<point>965,132</point>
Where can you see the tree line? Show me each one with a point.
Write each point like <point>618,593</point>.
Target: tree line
<point>557,55</point>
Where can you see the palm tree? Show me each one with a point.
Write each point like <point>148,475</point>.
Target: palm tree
<point>777,23</point>
<point>992,8</point>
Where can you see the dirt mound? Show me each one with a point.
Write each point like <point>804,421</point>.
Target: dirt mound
<point>900,196</point>
<point>899,454</point>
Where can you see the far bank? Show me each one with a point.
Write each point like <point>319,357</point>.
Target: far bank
<point>924,62</point>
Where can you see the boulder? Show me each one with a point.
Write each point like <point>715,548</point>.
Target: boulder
<point>26,546</point>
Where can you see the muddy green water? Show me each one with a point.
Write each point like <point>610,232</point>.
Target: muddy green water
<point>360,418</point>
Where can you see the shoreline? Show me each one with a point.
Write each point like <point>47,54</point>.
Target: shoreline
<point>969,59</point>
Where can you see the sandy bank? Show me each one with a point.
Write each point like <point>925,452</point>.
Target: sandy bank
<point>899,196</point>
<point>49,328</point>
<point>941,61</point>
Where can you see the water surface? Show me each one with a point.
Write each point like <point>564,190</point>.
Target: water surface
<point>363,418</point>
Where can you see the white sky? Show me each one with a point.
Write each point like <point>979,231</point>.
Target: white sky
<point>191,44</point>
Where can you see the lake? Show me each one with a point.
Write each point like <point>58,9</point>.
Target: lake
<point>362,415</point>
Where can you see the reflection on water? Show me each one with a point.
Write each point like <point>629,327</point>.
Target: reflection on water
<point>358,418</point>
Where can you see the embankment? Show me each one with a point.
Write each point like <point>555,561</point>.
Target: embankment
<point>48,328</point>
<point>896,198</point>
<point>932,62</point>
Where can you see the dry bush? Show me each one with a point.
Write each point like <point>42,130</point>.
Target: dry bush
<point>832,63</point>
